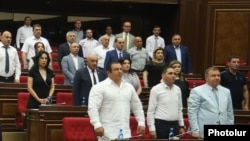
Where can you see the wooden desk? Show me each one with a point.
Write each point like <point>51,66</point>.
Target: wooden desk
<point>8,102</point>
<point>160,140</point>
<point>45,124</point>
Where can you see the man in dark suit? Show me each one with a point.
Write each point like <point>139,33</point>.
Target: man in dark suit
<point>85,78</point>
<point>117,53</point>
<point>64,48</point>
<point>179,52</point>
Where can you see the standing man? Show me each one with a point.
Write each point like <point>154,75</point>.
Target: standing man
<point>71,63</point>
<point>111,103</point>
<point>154,41</point>
<point>117,53</point>
<point>108,32</point>
<point>209,104</point>
<point>28,49</point>
<point>10,69</point>
<point>85,78</point>
<point>24,32</point>
<point>101,50</point>
<point>127,36</point>
<point>88,44</point>
<point>64,49</point>
<point>234,80</point>
<point>165,107</point>
<point>79,33</point>
<point>138,55</point>
<point>179,52</point>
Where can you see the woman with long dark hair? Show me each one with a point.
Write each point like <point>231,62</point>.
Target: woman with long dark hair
<point>40,81</point>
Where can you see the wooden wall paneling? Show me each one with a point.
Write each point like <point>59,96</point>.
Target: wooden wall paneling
<point>228,31</point>
<point>190,29</point>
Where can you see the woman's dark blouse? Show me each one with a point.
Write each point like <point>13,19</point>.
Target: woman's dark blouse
<point>184,90</point>
<point>40,86</point>
<point>154,72</point>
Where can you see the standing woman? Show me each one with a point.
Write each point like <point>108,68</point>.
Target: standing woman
<point>180,81</point>
<point>129,76</point>
<point>39,46</point>
<point>153,69</point>
<point>40,81</point>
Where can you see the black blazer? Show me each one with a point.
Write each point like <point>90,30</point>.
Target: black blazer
<point>82,84</point>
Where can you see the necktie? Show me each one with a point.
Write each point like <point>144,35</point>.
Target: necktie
<point>156,42</point>
<point>126,40</point>
<point>216,97</point>
<point>120,55</point>
<point>6,60</point>
<point>217,101</point>
<point>93,72</point>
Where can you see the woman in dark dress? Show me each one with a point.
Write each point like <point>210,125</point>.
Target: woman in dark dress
<point>40,81</point>
<point>180,81</point>
<point>153,69</point>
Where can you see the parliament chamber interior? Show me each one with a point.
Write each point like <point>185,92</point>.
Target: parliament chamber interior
<point>211,29</point>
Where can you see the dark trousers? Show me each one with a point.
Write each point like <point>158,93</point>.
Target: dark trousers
<point>21,45</point>
<point>163,128</point>
<point>7,79</point>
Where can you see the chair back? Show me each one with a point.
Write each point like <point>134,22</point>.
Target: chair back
<point>187,135</point>
<point>64,98</point>
<point>78,129</point>
<point>23,79</point>
<point>22,100</point>
<point>56,66</point>
<point>133,127</point>
<point>195,82</point>
<point>59,79</point>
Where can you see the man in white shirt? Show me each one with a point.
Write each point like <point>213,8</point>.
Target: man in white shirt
<point>10,69</point>
<point>24,32</point>
<point>28,49</point>
<point>108,32</point>
<point>88,44</point>
<point>165,107</point>
<point>110,102</point>
<point>78,30</point>
<point>154,41</point>
<point>101,50</point>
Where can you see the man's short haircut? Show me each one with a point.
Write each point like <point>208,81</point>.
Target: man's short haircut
<point>232,57</point>
<point>165,69</point>
<point>109,66</point>
<point>210,69</point>
<point>27,17</point>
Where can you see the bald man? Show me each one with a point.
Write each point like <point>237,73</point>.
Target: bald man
<point>10,69</point>
<point>85,78</point>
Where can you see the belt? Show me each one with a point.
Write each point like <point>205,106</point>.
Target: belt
<point>3,77</point>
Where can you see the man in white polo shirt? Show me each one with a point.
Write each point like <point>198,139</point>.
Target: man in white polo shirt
<point>28,50</point>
